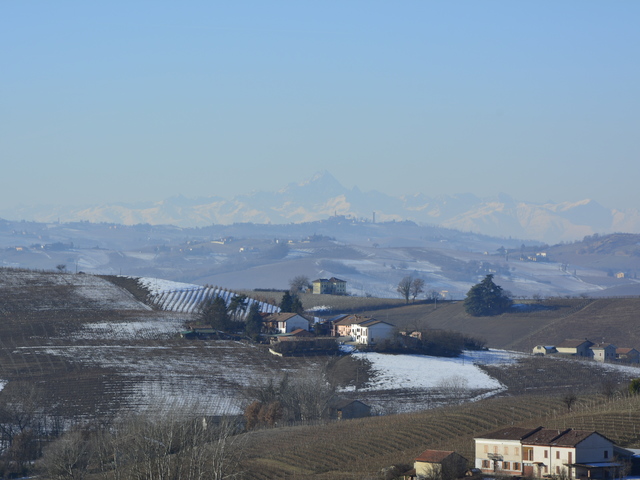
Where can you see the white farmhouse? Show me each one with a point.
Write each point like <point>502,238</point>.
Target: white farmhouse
<point>371,331</point>
<point>286,322</point>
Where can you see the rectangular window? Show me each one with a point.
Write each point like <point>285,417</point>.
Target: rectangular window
<point>495,449</point>
<point>516,450</point>
<point>606,454</point>
<point>506,466</point>
<point>516,466</point>
<point>546,469</point>
<point>506,450</point>
<point>485,464</point>
<point>546,454</point>
<point>557,469</point>
<point>570,457</point>
<point>486,449</point>
<point>558,454</point>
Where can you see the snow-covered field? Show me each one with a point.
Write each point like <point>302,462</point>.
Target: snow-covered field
<point>422,371</point>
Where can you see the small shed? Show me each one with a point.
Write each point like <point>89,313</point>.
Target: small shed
<point>442,464</point>
<point>544,350</point>
<point>347,409</point>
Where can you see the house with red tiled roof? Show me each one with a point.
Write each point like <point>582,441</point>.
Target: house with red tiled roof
<point>342,326</point>
<point>627,355</point>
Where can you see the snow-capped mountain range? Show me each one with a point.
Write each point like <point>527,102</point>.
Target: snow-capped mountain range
<point>323,196</point>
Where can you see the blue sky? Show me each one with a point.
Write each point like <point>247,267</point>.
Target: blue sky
<point>142,100</point>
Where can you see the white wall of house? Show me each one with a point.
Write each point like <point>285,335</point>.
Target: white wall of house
<point>594,449</point>
<point>604,354</point>
<point>551,460</point>
<point>368,335</point>
<point>292,324</point>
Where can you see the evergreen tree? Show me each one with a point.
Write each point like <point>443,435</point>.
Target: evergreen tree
<point>214,312</point>
<point>253,326</point>
<point>238,304</point>
<point>486,298</point>
<point>290,304</point>
<point>286,303</point>
<point>296,304</point>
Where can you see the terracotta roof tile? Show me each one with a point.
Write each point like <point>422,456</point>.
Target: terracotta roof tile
<point>433,456</point>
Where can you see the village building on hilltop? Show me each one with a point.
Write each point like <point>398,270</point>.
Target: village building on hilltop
<point>331,286</point>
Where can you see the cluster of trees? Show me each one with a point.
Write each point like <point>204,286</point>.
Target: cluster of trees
<point>410,287</point>
<point>306,345</point>
<point>437,343</point>
<point>24,429</point>
<point>288,400</point>
<point>168,446</point>
<point>290,303</point>
<point>299,283</point>
<point>486,298</point>
<point>228,318</point>
<point>225,318</point>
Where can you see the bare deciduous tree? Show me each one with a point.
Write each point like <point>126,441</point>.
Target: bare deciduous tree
<point>167,445</point>
<point>454,389</point>
<point>404,287</point>
<point>299,283</point>
<point>417,287</point>
<point>67,457</point>
<point>569,400</point>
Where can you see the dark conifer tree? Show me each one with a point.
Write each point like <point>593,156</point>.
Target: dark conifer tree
<point>486,298</point>
<point>214,312</point>
<point>253,326</point>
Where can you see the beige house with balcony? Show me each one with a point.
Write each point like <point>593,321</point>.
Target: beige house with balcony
<point>500,452</point>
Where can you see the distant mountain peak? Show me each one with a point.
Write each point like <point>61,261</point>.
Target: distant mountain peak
<point>321,177</point>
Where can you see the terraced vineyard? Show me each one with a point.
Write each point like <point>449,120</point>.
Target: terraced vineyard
<point>189,298</point>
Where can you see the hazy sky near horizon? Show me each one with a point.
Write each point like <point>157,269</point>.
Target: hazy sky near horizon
<point>120,101</point>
